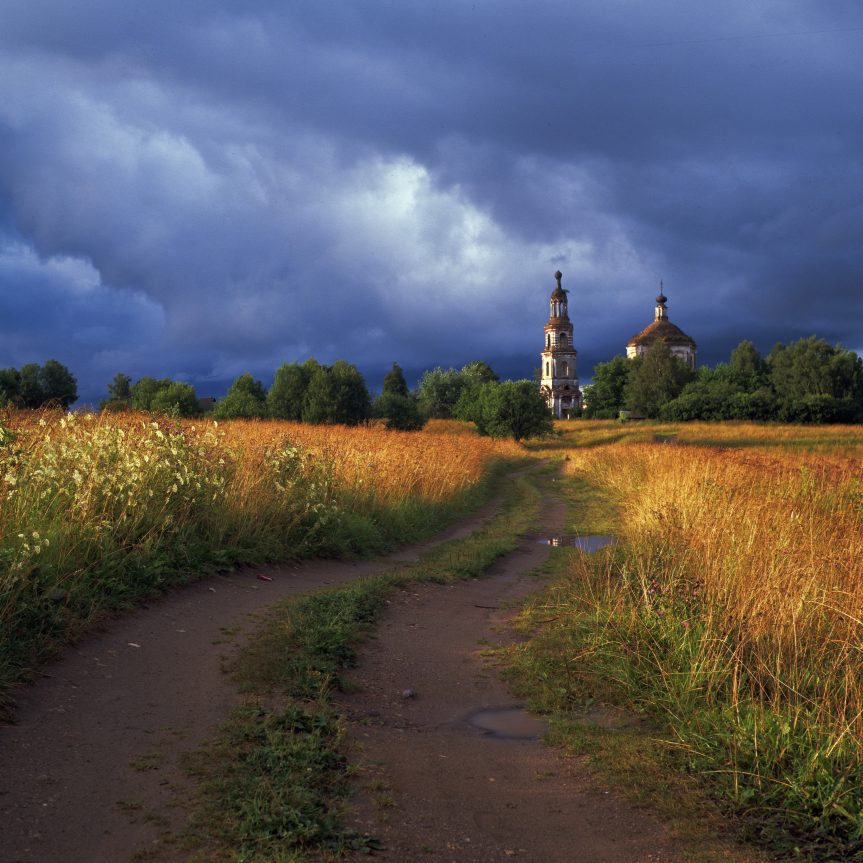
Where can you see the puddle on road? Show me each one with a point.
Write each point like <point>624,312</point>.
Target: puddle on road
<point>508,723</point>
<point>591,543</point>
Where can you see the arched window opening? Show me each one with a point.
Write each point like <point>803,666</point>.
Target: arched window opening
<point>562,339</point>
<point>548,340</point>
<point>564,369</point>
<point>547,370</point>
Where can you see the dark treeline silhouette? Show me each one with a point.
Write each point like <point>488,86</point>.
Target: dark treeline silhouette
<point>314,393</point>
<point>807,381</point>
<point>36,386</point>
<point>306,392</point>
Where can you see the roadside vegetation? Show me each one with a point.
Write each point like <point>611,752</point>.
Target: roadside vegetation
<point>98,512</point>
<point>273,780</point>
<point>729,615</point>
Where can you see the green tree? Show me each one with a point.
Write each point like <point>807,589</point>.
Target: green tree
<point>120,389</point>
<point>353,403</point>
<point>812,367</point>
<point>30,393</point>
<point>605,397</point>
<point>176,399</point>
<point>513,409</point>
<point>337,394</point>
<point>748,368</point>
<point>394,382</point>
<point>474,376</point>
<point>58,384</point>
<point>10,387</point>
<point>285,398</point>
<point>439,391</point>
<point>318,400</point>
<point>469,405</point>
<point>246,399</point>
<point>144,391</point>
<point>480,372</point>
<point>119,394</point>
<point>656,377</point>
<point>760,405</point>
<point>711,396</point>
<point>400,412</point>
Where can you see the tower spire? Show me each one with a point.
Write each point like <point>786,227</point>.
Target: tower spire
<point>559,378</point>
<point>661,300</point>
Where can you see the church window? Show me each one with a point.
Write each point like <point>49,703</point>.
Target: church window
<point>548,340</point>
<point>547,370</point>
<point>562,339</point>
<point>564,369</point>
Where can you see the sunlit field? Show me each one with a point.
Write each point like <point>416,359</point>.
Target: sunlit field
<point>733,609</point>
<point>836,439</point>
<point>99,511</point>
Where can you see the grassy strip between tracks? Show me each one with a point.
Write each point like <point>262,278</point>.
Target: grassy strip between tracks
<point>273,780</point>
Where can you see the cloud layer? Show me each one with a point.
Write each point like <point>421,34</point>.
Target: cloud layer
<point>198,189</point>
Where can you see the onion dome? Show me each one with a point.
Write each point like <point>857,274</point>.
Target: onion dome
<point>661,329</point>
<point>558,293</point>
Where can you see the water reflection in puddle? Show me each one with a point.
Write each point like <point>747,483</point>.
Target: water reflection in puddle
<point>508,723</point>
<point>591,543</point>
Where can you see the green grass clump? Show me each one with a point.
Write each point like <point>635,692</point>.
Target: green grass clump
<point>273,780</point>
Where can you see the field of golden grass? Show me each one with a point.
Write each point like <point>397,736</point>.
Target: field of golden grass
<point>97,511</point>
<point>733,608</point>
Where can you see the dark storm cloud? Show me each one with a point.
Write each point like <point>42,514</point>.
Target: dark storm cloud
<point>244,185</point>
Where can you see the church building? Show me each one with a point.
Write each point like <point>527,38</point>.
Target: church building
<point>662,329</point>
<point>559,377</point>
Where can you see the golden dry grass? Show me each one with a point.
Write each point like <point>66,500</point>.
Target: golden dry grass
<point>433,464</point>
<point>735,605</point>
<point>97,511</point>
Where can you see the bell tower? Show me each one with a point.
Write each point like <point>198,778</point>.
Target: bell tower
<point>559,376</point>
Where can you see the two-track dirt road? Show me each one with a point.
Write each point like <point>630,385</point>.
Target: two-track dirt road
<point>91,771</point>
<point>449,770</point>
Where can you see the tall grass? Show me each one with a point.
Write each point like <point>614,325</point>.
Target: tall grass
<point>99,511</point>
<point>734,610</point>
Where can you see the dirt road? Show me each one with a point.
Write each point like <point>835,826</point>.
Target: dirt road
<point>451,769</point>
<point>90,772</point>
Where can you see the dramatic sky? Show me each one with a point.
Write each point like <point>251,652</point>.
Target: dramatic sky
<point>201,188</point>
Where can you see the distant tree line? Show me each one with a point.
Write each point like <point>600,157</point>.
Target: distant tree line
<point>303,392</point>
<point>150,394</point>
<point>314,393</point>
<point>35,386</point>
<point>807,381</point>
<point>308,392</point>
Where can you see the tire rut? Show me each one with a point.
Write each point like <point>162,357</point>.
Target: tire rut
<point>433,786</point>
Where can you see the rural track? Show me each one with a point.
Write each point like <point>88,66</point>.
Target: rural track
<point>435,787</point>
<point>91,770</point>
